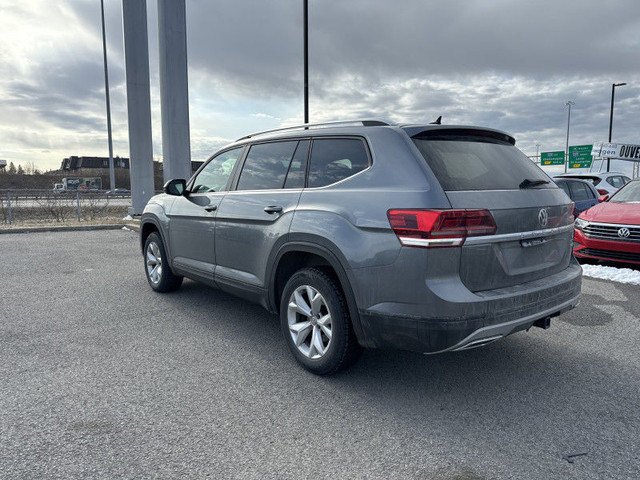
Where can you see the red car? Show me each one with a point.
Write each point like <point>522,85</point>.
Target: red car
<point>611,229</point>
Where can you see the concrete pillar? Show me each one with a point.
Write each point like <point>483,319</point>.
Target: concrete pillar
<point>136,53</point>
<point>174,91</point>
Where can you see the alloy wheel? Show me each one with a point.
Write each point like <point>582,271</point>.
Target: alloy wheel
<point>309,321</point>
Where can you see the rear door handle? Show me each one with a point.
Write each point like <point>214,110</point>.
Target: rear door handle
<point>211,208</point>
<point>272,209</point>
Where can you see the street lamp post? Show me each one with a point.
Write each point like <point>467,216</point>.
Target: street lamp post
<point>112,182</point>
<point>305,14</point>
<point>569,104</point>
<point>613,93</point>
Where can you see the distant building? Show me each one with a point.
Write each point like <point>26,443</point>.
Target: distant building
<point>75,163</point>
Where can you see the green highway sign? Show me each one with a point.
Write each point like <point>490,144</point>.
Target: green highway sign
<point>552,158</point>
<point>580,156</point>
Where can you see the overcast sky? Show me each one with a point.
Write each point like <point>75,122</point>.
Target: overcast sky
<point>505,64</point>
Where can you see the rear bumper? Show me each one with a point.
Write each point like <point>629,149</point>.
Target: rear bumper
<point>609,250</point>
<point>483,317</point>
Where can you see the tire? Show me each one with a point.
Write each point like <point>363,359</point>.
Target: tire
<point>156,267</point>
<point>322,341</point>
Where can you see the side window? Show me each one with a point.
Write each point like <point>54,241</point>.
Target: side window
<point>266,166</point>
<point>563,186</point>
<point>215,175</point>
<point>334,159</point>
<point>625,179</point>
<point>580,191</point>
<point>298,167</point>
<point>617,181</point>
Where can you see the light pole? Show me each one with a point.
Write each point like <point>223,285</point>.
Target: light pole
<point>613,93</point>
<point>305,33</point>
<point>112,177</point>
<point>566,152</point>
<point>538,153</point>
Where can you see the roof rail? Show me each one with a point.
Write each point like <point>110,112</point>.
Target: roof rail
<point>306,126</point>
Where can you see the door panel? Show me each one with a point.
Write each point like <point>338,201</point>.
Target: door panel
<point>191,234</point>
<point>246,233</point>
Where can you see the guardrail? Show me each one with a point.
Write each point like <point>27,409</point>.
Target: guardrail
<point>39,206</point>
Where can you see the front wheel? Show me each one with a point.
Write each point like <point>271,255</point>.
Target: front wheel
<point>159,275</point>
<point>315,323</point>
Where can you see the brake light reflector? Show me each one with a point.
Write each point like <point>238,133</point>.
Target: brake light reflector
<point>439,228</point>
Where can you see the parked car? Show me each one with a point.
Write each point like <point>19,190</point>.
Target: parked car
<point>583,193</point>
<point>119,192</point>
<point>429,238</point>
<point>611,230</point>
<point>606,183</point>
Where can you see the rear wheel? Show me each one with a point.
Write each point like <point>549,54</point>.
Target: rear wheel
<point>315,323</point>
<point>159,275</point>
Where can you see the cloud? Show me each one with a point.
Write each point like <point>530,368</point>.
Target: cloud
<point>499,63</point>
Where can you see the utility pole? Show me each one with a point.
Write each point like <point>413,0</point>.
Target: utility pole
<point>613,93</point>
<point>112,176</point>
<point>566,152</point>
<point>305,13</point>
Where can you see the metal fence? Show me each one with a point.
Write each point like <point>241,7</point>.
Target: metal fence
<point>46,206</point>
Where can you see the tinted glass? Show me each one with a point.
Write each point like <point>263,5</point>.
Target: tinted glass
<point>626,179</point>
<point>298,167</point>
<point>334,159</point>
<point>469,163</point>
<point>629,193</point>
<point>616,181</point>
<point>563,186</point>
<point>266,166</point>
<point>580,191</point>
<point>215,175</point>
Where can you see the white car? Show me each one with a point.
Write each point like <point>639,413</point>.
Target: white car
<point>607,183</point>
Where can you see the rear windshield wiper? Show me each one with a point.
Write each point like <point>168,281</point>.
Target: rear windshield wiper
<point>526,183</point>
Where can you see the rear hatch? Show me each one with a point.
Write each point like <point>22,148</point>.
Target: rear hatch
<point>482,169</point>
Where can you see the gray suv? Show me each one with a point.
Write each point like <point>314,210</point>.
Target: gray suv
<point>429,238</point>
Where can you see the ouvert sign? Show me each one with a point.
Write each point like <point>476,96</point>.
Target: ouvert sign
<point>620,151</point>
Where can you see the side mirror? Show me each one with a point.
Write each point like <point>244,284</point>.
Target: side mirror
<point>176,187</point>
<point>603,198</point>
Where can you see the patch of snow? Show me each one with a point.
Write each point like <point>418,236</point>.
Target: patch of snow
<point>128,217</point>
<point>622,275</point>
<point>127,229</point>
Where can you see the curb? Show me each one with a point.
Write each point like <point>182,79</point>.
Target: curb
<point>75,228</point>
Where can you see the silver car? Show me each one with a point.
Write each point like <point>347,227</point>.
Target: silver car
<point>429,238</point>
<point>606,183</point>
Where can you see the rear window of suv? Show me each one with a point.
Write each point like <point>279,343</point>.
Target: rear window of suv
<point>469,160</point>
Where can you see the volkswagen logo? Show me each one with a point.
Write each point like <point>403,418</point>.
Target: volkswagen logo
<point>624,232</point>
<point>543,217</point>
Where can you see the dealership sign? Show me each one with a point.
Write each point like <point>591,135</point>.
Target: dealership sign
<point>621,151</point>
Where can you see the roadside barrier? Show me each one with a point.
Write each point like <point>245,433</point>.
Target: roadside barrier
<point>46,206</point>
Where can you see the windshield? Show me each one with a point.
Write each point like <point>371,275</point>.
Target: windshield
<point>630,193</point>
<point>467,162</point>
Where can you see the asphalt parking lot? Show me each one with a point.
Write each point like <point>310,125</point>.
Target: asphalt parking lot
<point>103,378</point>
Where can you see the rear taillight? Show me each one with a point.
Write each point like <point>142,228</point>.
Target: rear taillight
<point>572,211</point>
<point>439,228</point>
<point>602,191</point>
